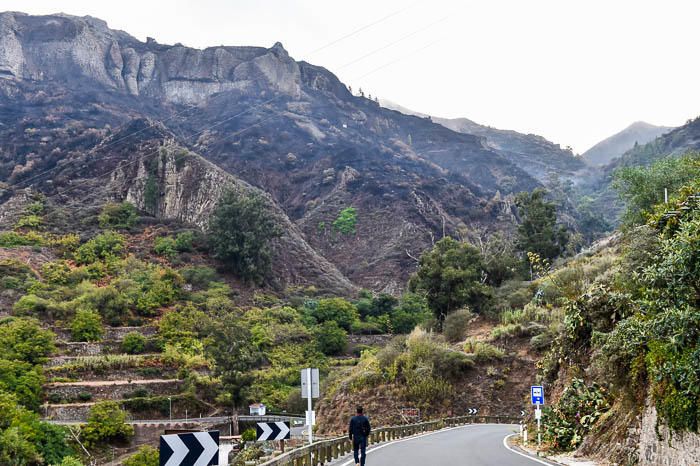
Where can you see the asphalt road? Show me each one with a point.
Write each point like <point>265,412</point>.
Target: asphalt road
<point>471,445</point>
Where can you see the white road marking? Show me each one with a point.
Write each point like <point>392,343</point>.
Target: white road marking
<point>505,444</point>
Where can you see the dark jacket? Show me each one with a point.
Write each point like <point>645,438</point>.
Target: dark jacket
<point>359,427</point>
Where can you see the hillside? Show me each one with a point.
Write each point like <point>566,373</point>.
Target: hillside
<point>636,134</point>
<point>535,154</point>
<point>289,128</point>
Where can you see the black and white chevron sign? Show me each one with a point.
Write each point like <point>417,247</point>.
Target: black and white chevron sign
<point>472,411</point>
<point>191,449</point>
<point>273,431</point>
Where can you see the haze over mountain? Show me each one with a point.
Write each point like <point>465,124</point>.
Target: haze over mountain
<point>535,154</point>
<point>638,133</point>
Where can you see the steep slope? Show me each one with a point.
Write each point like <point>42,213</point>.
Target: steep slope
<point>638,133</point>
<point>533,153</point>
<point>289,128</point>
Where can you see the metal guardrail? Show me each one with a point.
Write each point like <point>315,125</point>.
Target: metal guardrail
<point>326,451</point>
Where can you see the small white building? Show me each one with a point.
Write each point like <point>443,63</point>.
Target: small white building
<point>257,409</point>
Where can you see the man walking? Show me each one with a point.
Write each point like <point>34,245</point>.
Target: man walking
<point>359,431</point>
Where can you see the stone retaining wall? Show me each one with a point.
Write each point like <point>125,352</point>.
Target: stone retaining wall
<point>664,448</point>
<point>369,340</point>
<point>115,391</point>
<point>110,333</point>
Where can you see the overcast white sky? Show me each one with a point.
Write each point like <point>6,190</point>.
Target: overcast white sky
<point>574,72</point>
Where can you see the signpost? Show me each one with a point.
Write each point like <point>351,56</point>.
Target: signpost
<point>191,449</point>
<point>472,411</point>
<point>537,395</point>
<point>309,390</point>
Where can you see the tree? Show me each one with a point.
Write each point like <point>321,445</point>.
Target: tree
<point>23,339</point>
<point>500,260</point>
<point>451,276</point>
<point>643,187</point>
<point>330,338</point>
<point>86,326</point>
<point>411,311</point>
<point>230,345</point>
<point>538,231</point>
<point>338,310</point>
<point>106,423</point>
<point>240,231</point>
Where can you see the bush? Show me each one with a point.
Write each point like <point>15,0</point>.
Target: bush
<point>184,242</point>
<point>133,343</point>
<point>338,310</point>
<point>145,456</point>
<point>23,339</point>
<point>70,461</point>
<point>86,326</point>
<point>120,216</point>
<point>456,324</point>
<point>483,351</point>
<point>249,435</point>
<point>107,245</point>
<point>199,277</point>
<point>106,423</point>
<point>165,246</point>
<point>331,339</point>
<point>411,311</point>
<point>346,222</point>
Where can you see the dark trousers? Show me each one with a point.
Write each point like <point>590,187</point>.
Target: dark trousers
<point>359,444</point>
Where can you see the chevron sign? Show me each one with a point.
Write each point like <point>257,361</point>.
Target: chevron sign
<point>472,411</point>
<point>192,449</point>
<point>273,431</point>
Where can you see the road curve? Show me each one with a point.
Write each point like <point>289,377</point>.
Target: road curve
<point>472,445</point>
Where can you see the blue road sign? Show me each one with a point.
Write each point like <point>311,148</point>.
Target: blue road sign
<point>537,394</point>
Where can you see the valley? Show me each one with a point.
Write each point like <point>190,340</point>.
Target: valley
<point>183,230</point>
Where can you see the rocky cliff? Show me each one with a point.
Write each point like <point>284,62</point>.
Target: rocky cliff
<point>288,128</point>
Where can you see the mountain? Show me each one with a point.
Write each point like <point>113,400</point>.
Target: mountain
<point>289,129</point>
<point>533,153</point>
<point>638,133</point>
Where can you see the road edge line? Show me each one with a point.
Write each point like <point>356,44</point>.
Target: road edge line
<point>537,460</point>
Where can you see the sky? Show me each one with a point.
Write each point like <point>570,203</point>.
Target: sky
<point>572,71</point>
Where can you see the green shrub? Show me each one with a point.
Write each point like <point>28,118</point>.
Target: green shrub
<point>119,216</point>
<point>184,242</point>
<point>346,221</point>
<point>86,326</point>
<point>104,246</point>
<point>509,331</point>
<point>106,423</point>
<point>133,343</point>
<point>249,435</point>
<point>482,350</point>
<point>455,327</point>
<point>199,276</point>
<point>85,396</point>
<point>10,239</point>
<point>338,310</point>
<point>30,221</point>
<point>145,456</point>
<point>70,461</point>
<point>331,339</point>
<point>574,415</point>
<point>23,339</point>
<point>165,246</point>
